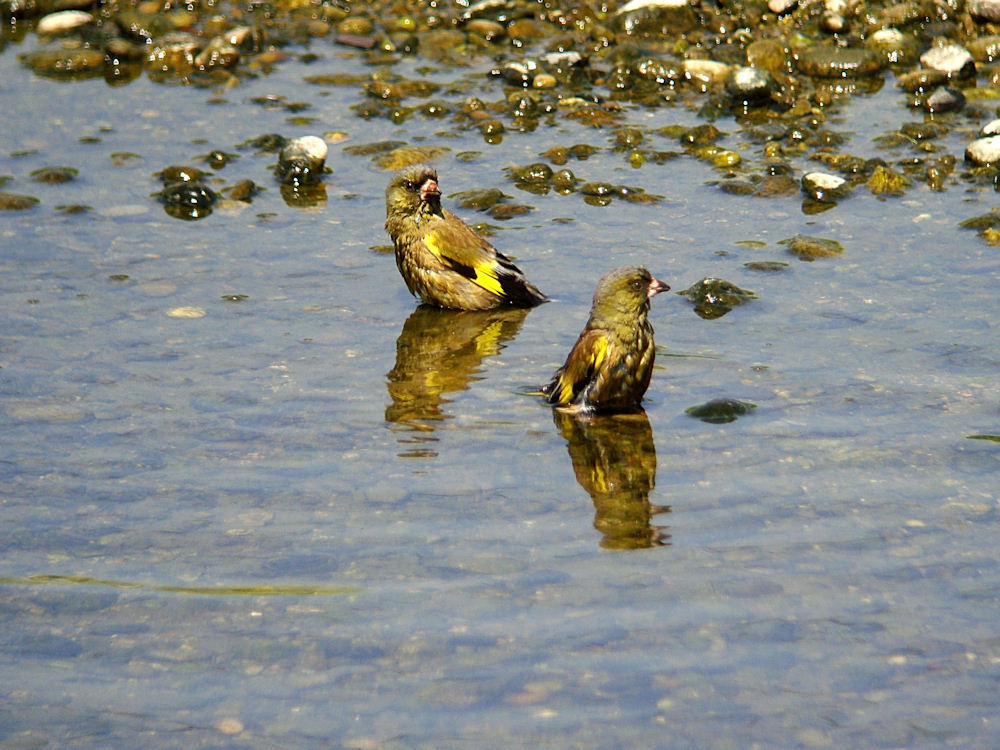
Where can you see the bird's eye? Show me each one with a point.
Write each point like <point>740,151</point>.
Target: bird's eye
<point>410,185</point>
<point>637,284</point>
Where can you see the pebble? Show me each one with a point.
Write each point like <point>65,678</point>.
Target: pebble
<point>822,186</point>
<point>953,59</point>
<point>750,85</point>
<point>991,128</point>
<point>186,312</point>
<point>63,21</point>
<point>824,61</point>
<point>984,10</point>
<point>781,6</point>
<point>944,99</point>
<point>984,151</point>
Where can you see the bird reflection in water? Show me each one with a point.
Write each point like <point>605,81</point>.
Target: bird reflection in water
<point>440,352</point>
<point>614,459</point>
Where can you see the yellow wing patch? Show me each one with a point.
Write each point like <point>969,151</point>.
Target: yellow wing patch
<point>597,356</point>
<point>485,276</point>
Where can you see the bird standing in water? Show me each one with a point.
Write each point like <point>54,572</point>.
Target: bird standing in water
<point>442,259</point>
<point>610,365</point>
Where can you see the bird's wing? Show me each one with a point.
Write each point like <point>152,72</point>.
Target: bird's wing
<point>458,247</point>
<point>582,364</point>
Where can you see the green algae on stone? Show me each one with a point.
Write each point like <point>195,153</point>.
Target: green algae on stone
<point>720,410</point>
<point>16,202</point>
<point>714,297</point>
<point>809,248</point>
<point>886,181</point>
<point>55,175</point>
<point>767,266</point>
<point>479,200</point>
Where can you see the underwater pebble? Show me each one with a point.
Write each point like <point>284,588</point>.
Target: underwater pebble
<point>720,410</point>
<point>810,248</point>
<point>186,312</point>
<point>15,202</point>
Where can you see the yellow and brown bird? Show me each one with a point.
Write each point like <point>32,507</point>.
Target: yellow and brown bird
<point>611,363</point>
<point>442,259</point>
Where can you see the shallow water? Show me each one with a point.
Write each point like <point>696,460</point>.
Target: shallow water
<point>319,515</point>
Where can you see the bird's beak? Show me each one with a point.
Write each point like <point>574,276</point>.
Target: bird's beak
<point>655,287</point>
<point>429,190</point>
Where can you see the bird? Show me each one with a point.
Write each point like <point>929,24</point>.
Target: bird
<point>442,259</point>
<point>611,363</point>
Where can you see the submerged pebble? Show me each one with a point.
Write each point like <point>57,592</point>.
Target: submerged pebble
<point>16,202</point>
<point>809,248</point>
<point>720,410</point>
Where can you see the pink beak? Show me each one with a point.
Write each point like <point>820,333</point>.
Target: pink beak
<point>655,287</point>
<point>429,189</point>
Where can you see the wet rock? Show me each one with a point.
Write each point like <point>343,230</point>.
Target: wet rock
<point>188,199</point>
<point>886,181</point>
<point>173,53</point>
<point>301,162</point>
<point>55,175</point>
<point>990,128</point>
<point>985,49</point>
<point>538,172</point>
<point>984,10</point>
<point>769,54</point>
<point>766,266</point>
<point>984,151</point>
<point>480,200</point>
<point>218,52</point>
<point>714,297</point>
<point>63,22</point>
<point>180,174</point>
<point>700,135</point>
<point>809,248</point>
<point>943,99</point>
<point>749,85</point>
<point>656,17</point>
<point>953,60</point>
<point>706,71</point>
<point>921,80</point>
<point>896,47</point>
<point>66,63</point>
<point>781,6</point>
<point>821,186</point>
<point>16,202</point>
<point>824,61</point>
<point>720,410</point>
<point>244,191</point>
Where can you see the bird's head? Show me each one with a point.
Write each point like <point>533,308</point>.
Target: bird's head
<point>626,292</point>
<point>413,191</point>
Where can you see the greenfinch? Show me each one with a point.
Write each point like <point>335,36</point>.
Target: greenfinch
<point>442,259</point>
<point>610,365</point>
